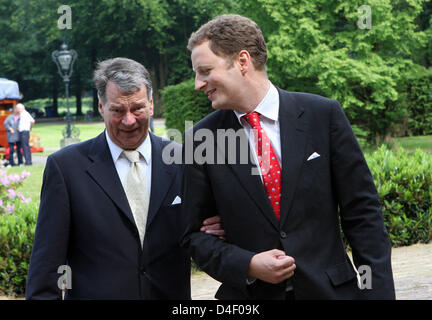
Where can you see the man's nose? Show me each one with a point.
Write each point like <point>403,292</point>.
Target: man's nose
<point>128,119</point>
<point>199,84</point>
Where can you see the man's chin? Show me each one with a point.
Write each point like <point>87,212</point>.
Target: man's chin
<point>130,144</point>
<point>221,106</point>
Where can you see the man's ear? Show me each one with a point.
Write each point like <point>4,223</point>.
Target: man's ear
<point>244,61</point>
<point>151,107</point>
<point>101,110</point>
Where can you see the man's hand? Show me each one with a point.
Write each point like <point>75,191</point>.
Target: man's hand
<point>213,226</point>
<point>272,266</point>
<point>11,130</point>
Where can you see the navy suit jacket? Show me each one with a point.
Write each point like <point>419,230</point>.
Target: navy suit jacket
<point>85,222</point>
<point>316,195</point>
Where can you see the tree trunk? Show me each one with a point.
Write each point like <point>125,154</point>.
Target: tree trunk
<point>55,96</point>
<point>156,100</point>
<point>78,96</point>
<point>95,96</point>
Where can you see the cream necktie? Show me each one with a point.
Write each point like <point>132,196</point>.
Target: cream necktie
<point>137,192</point>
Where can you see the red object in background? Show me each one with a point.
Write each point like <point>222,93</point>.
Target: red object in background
<point>32,150</point>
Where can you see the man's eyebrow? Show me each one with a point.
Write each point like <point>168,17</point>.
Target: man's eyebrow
<point>140,102</point>
<point>203,66</point>
<point>115,105</point>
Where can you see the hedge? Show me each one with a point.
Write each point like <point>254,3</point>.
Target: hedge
<point>416,98</point>
<point>404,183</point>
<point>183,103</point>
<point>16,242</point>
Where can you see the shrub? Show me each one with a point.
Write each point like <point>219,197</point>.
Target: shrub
<point>17,222</point>
<point>416,98</point>
<point>16,241</point>
<point>183,103</point>
<point>404,183</point>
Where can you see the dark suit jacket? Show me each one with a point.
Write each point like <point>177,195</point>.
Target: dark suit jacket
<point>85,222</point>
<point>315,195</point>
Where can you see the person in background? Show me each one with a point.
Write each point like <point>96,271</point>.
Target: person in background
<point>13,138</point>
<point>25,125</point>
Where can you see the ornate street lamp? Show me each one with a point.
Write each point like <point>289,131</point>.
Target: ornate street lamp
<point>64,59</point>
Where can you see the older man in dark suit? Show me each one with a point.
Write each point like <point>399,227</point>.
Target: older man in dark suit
<point>110,211</point>
<point>283,239</point>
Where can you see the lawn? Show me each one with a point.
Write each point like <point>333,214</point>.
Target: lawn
<point>51,134</point>
<point>412,143</point>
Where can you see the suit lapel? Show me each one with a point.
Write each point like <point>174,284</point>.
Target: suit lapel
<point>161,178</point>
<point>103,171</point>
<point>251,183</point>
<point>293,143</point>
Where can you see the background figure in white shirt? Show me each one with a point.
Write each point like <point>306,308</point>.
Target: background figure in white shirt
<point>25,125</point>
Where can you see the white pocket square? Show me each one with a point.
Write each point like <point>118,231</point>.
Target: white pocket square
<point>177,200</point>
<point>313,156</point>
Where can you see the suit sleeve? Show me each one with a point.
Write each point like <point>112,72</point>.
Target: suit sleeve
<point>51,236</point>
<point>360,210</point>
<point>223,261</point>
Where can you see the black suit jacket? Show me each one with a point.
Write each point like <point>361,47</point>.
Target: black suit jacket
<point>85,222</point>
<point>315,195</point>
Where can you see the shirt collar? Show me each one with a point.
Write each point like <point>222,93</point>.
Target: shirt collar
<point>268,107</point>
<point>144,149</point>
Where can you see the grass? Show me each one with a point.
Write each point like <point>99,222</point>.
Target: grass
<point>413,143</point>
<point>51,134</point>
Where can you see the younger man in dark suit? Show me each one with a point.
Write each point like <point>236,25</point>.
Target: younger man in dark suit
<point>282,225</point>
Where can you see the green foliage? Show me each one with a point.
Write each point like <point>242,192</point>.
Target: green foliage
<point>316,46</point>
<point>416,98</point>
<point>62,105</point>
<point>313,46</point>
<point>404,183</point>
<point>183,103</point>
<point>16,241</point>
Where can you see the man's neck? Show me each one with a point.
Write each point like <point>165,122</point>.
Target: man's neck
<point>256,92</point>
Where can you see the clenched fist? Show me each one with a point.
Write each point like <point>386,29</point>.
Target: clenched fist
<point>272,266</point>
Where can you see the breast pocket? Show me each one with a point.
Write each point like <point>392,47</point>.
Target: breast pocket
<point>313,169</point>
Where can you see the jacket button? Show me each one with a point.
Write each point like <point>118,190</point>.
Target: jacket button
<point>283,235</point>
<point>143,271</point>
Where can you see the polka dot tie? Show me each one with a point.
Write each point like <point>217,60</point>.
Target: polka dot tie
<point>269,165</point>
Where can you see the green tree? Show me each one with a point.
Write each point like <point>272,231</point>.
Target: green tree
<point>316,46</point>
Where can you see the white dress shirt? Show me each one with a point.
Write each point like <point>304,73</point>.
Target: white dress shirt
<point>268,109</point>
<point>122,164</point>
<point>25,122</point>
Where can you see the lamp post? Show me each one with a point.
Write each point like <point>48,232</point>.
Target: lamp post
<point>64,59</point>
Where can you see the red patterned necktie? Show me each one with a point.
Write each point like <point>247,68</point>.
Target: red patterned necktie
<point>269,165</point>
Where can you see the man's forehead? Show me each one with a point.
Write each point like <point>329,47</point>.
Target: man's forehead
<point>113,92</point>
<point>122,102</point>
<point>203,57</point>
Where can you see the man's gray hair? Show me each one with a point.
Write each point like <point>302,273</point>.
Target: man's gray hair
<point>127,74</point>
